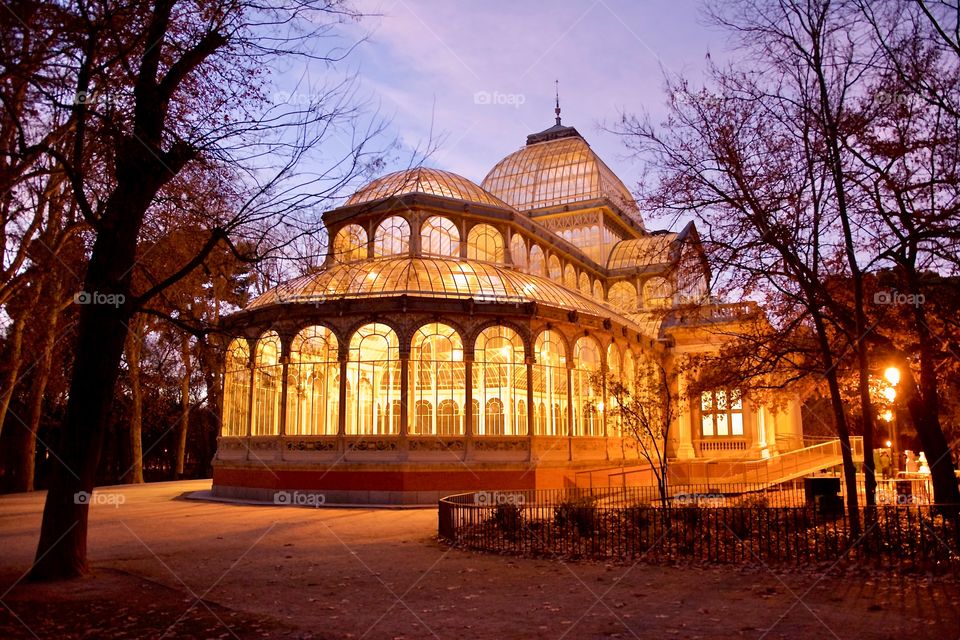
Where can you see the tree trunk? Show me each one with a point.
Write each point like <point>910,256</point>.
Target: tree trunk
<point>14,356</point>
<point>840,417</point>
<point>184,406</point>
<point>101,333</point>
<point>134,351</point>
<point>52,291</point>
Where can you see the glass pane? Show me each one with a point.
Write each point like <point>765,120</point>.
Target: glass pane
<point>722,429</point>
<point>706,425</point>
<point>736,423</point>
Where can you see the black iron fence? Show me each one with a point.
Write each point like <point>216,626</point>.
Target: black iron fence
<point>709,525</point>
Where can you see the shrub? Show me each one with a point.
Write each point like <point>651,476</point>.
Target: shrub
<point>580,514</point>
<point>508,518</point>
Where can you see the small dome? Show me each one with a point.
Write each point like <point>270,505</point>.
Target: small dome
<point>425,180</point>
<point>655,249</point>
<point>444,278</point>
<point>556,172</point>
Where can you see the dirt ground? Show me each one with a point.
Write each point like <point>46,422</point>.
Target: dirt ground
<point>166,567</point>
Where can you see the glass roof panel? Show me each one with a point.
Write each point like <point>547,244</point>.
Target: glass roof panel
<point>557,172</point>
<point>424,180</point>
<point>430,277</point>
<point>639,252</point>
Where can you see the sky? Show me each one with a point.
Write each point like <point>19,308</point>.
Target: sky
<point>476,77</point>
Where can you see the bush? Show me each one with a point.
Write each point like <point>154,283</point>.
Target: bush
<point>508,517</point>
<point>580,514</point>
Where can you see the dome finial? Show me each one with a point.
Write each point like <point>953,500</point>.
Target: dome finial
<point>557,109</point>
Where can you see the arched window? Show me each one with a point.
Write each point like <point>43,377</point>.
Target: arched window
<point>373,380</point>
<point>439,237</point>
<point>555,271</point>
<point>570,277</point>
<point>448,418</point>
<point>266,386</point>
<point>585,284</point>
<point>657,293</point>
<point>614,370</point>
<point>350,244</point>
<point>313,383</point>
<point>493,418</point>
<point>392,237</point>
<point>236,389</point>
<point>437,375</point>
<point>518,252</point>
<point>586,394</point>
<point>597,290</point>
<point>499,373</point>
<point>550,385</point>
<point>484,242</point>
<point>536,261</point>
<point>623,295</point>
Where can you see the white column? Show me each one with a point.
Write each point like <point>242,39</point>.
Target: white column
<point>685,449</point>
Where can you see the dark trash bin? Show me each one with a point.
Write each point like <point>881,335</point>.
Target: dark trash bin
<point>823,494</point>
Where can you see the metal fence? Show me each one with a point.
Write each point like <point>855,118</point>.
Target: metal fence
<point>628,525</point>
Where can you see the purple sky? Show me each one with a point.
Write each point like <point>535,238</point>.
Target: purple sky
<point>477,77</point>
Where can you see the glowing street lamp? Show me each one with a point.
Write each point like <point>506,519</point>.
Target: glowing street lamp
<point>892,375</point>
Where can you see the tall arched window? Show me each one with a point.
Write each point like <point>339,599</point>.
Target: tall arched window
<point>657,293</point>
<point>614,370</point>
<point>373,381</point>
<point>392,237</point>
<point>439,237</point>
<point>629,372</point>
<point>485,242</point>
<point>570,277</point>
<point>623,296</point>
<point>350,244</point>
<point>554,270</point>
<point>499,381</point>
<point>585,284</point>
<point>550,385</point>
<point>536,261</point>
<point>266,386</point>
<point>313,383</point>
<point>597,290</point>
<point>236,389</point>
<point>437,376</point>
<point>518,252</point>
<point>586,395</point>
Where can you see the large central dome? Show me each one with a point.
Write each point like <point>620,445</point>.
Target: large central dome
<point>435,182</point>
<point>561,169</point>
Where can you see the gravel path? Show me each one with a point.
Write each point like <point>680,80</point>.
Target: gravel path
<point>175,568</point>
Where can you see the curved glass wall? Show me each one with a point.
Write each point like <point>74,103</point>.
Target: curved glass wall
<point>437,381</point>
<point>485,242</point>
<point>392,237</point>
<point>435,182</point>
<point>266,386</point>
<point>350,244</point>
<point>373,381</point>
<point>439,237</point>
<point>587,400</point>
<point>550,386</point>
<point>500,383</point>
<point>236,388</point>
<point>313,384</point>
